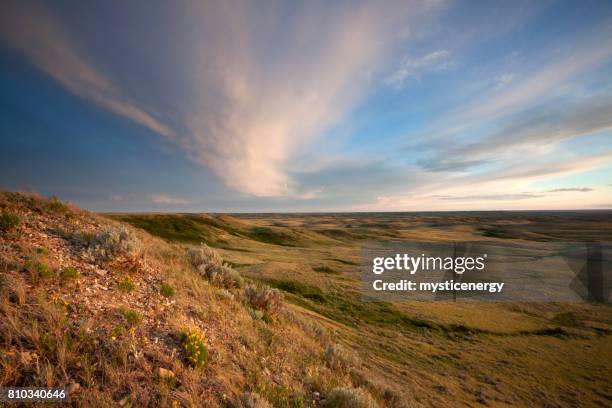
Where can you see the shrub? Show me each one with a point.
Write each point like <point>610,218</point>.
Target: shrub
<point>166,290</point>
<point>55,205</point>
<point>339,358</point>
<point>39,269</point>
<point>8,221</point>
<point>132,316</point>
<point>194,346</point>
<point>44,251</point>
<point>225,294</point>
<point>225,277</point>
<point>69,273</point>
<point>254,400</point>
<point>264,298</point>
<point>204,258</point>
<point>109,244</point>
<point>126,285</point>
<point>350,398</point>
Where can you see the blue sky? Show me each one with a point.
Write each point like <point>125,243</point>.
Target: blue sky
<point>308,106</point>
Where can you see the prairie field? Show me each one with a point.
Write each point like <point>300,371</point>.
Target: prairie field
<point>265,310</point>
<point>430,353</point>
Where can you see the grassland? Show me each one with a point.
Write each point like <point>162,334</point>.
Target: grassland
<point>131,310</point>
<point>430,353</point>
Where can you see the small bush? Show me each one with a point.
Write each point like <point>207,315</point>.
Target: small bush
<point>55,205</point>
<point>126,285</point>
<point>166,290</point>
<point>204,258</point>
<point>225,294</point>
<point>264,298</point>
<point>194,346</point>
<point>225,277</point>
<point>338,358</point>
<point>9,221</point>
<point>44,251</point>
<point>255,314</point>
<point>132,316</point>
<point>109,244</point>
<point>350,398</point>
<point>39,269</point>
<point>254,400</point>
<point>69,273</point>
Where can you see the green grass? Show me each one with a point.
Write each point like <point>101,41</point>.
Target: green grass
<point>271,236</point>
<point>40,269</point>
<point>166,290</point>
<point>325,269</point>
<point>190,229</point>
<point>132,316</point>
<point>343,261</point>
<point>126,285</point>
<point>44,251</point>
<point>567,319</point>
<point>9,221</point>
<point>69,273</point>
<point>56,206</point>
<point>301,289</point>
<point>345,309</point>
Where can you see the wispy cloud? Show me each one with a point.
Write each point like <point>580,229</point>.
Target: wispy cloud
<point>504,79</point>
<point>253,104</point>
<point>415,67</point>
<point>525,134</point>
<point>167,199</point>
<point>491,197</point>
<point>571,189</point>
<point>269,112</point>
<point>30,29</point>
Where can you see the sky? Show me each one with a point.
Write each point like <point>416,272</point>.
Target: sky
<point>281,106</point>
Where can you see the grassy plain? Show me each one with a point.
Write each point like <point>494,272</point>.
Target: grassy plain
<point>429,353</point>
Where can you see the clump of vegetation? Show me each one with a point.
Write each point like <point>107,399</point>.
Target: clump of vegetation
<point>338,358</point>
<point>325,269</point>
<point>264,298</point>
<point>225,294</point>
<point>186,228</point>
<point>110,243</point>
<point>69,273</point>
<point>209,264</point>
<point>166,290</point>
<point>254,400</point>
<point>39,269</point>
<point>44,251</point>
<point>127,284</point>
<point>9,221</point>
<point>204,258</point>
<point>567,319</point>
<point>55,205</point>
<point>194,346</point>
<point>225,277</point>
<point>350,398</point>
<point>299,288</point>
<point>132,316</point>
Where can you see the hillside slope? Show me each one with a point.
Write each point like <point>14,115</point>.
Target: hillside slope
<point>107,310</point>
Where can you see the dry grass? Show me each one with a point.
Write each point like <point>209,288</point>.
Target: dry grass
<point>350,398</point>
<point>264,298</point>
